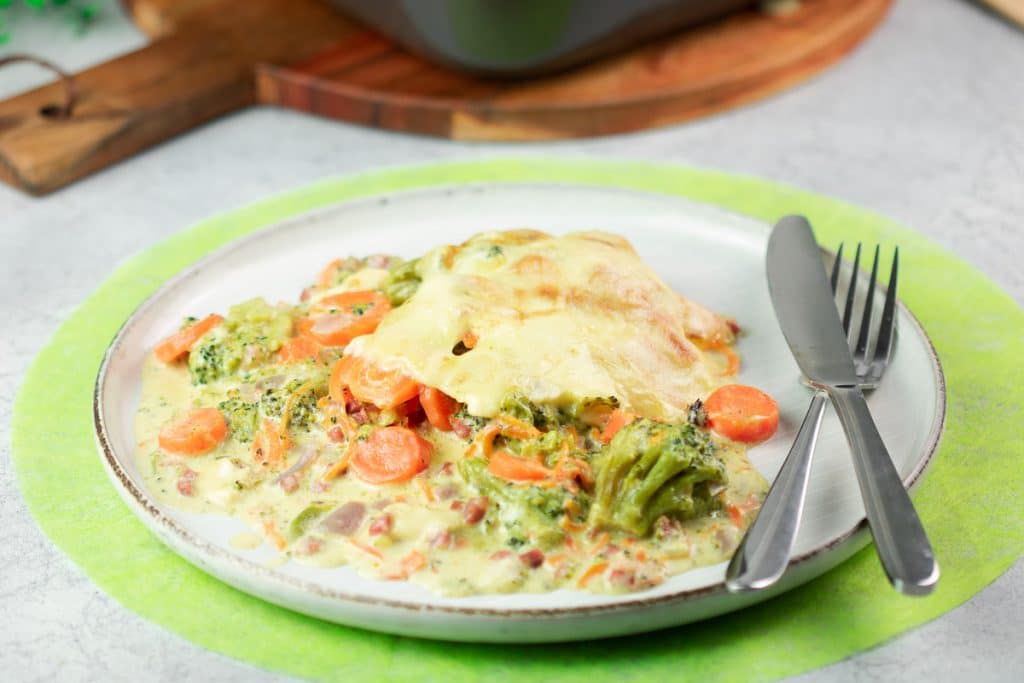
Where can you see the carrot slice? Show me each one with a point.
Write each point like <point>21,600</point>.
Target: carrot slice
<point>197,432</point>
<point>513,468</point>
<point>742,413</point>
<point>338,381</point>
<point>370,384</point>
<point>270,444</point>
<point>340,318</point>
<point>616,421</point>
<point>389,455</point>
<point>439,407</point>
<point>177,345</point>
<point>299,348</point>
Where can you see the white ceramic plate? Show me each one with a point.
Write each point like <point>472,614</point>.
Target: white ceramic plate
<point>714,257</point>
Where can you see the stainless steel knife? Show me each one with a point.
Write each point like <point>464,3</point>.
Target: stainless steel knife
<point>807,314</point>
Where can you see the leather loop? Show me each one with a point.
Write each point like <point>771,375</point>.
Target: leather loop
<point>62,110</point>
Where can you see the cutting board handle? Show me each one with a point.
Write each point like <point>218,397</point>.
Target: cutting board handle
<point>121,107</point>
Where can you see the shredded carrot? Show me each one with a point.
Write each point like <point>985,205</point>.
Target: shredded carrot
<point>517,429</point>
<point>341,465</point>
<point>424,486</point>
<point>570,544</point>
<point>469,339</point>
<point>641,555</point>
<point>592,571</point>
<point>400,498</point>
<point>275,537</point>
<point>270,444</point>
<point>731,357</point>
<point>599,543</point>
<point>718,346</point>
<point>334,415</point>
<point>568,525</point>
<point>568,468</point>
<point>735,514</point>
<point>556,559</point>
<point>413,562</point>
<point>484,441</point>
<point>369,550</point>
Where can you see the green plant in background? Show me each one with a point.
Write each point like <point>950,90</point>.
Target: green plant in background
<point>78,14</point>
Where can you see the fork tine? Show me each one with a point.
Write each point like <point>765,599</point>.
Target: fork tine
<point>885,331</point>
<point>851,292</point>
<point>861,349</point>
<point>836,267</point>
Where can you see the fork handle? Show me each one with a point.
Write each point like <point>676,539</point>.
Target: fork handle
<point>764,552</point>
<point>900,539</point>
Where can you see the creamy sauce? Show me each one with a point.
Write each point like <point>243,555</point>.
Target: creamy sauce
<point>460,558</point>
<point>554,319</point>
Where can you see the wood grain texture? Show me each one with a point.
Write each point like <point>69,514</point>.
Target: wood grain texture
<point>1011,9</point>
<point>174,84</point>
<point>210,57</point>
<point>711,68</point>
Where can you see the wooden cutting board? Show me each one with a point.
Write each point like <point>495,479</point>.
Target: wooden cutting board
<point>211,57</point>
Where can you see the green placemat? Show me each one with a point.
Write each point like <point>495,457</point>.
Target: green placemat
<point>970,501</point>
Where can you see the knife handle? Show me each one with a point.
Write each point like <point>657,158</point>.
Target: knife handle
<point>764,552</point>
<point>900,539</point>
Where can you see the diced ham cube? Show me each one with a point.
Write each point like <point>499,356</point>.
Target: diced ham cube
<point>185,482</point>
<point>289,484</point>
<point>532,558</point>
<point>460,428</point>
<point>346,520</point>
<point>381,525</point>
<point>475,509</point>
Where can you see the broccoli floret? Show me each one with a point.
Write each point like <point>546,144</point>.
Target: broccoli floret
<point>304,410</point>
<point>652,469</point>
<point>242,417</point>
<point>247,338</point>
<point>402,282</point>
<point>582,412</point>
<point>525,511</point>
<point>474,422</point>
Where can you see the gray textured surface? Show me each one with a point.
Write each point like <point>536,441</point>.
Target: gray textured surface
<point>925,122</point>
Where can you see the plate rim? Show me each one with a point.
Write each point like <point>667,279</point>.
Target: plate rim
<point>140,501</point>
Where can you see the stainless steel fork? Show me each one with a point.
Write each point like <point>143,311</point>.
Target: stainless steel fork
<point>765,550</point>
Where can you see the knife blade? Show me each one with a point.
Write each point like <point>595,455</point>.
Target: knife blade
<point>807,314</point>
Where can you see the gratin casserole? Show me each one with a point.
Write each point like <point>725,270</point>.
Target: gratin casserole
<point>519,412</point>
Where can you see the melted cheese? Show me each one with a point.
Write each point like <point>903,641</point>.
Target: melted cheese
<point>555,318</point>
